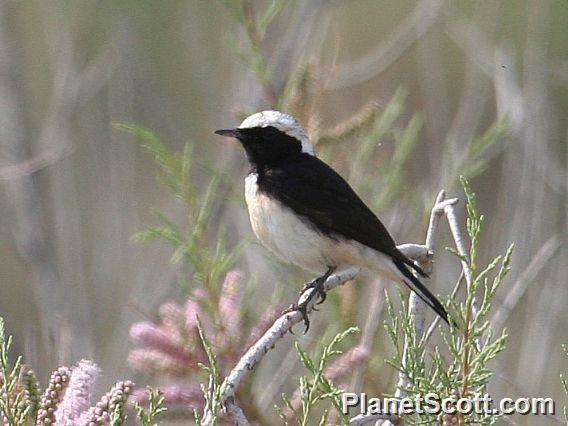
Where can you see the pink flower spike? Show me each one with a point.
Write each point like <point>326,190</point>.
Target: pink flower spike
<point>155,362</point>
<point>52,396</point>
<point>172,318</point>
<point>193,310</point>
<point>184,395</point>
<point>77,398</point>
<point>101,413</point>
<point>229,301</point>
<point>155,337</point>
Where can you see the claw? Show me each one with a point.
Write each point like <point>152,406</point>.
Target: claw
<point>323,296</point>
<point>302,309</point>
<point>317,286</point>
<point>306,323</point>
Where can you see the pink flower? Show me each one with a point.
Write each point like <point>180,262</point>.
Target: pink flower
<point>101,413</point>
<point>229,301</point>
<point>52,395</point>
<point>153,362</point>
<point>192,310</point>
<point>155,337</point>
<point>172,319</point>
<point>77,398</point>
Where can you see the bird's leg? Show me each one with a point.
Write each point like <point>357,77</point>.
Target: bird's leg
<point>318,289</point>
<point>317,285</point>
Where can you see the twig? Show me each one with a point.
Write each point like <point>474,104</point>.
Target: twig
<point>471,311</point>
<point>450,213</point>
<point>416,307</point>
<point>458,239</point>
<point>278,330</point>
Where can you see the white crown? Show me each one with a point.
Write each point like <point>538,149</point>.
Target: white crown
<point>283,122</point>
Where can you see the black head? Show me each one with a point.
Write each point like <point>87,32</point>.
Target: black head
<point>270,137</point>
<point>265,145</point>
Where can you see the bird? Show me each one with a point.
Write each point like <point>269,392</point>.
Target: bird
<point>308,215</point>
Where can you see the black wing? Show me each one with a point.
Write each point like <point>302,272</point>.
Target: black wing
<point>314,190</point>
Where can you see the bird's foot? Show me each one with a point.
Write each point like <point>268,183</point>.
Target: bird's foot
<point>302,308</point>
<point>317,286</point>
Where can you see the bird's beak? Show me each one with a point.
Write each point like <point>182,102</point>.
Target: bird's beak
<point>230,133</point>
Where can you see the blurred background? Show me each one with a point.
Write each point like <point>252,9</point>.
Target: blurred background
<point>438,89</point>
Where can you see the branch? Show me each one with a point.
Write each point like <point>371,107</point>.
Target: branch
<point>420,253</point>
<point>278,330</point>
<point>416,307</point>
<point>451,216</point>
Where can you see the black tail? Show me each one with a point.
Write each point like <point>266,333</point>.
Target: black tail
<point>417,287</point>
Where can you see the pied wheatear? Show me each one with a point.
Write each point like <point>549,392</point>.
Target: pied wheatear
<point>308,215</point>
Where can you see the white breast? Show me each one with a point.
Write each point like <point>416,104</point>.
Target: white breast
<point>283,232</point>
<point>292,239</point>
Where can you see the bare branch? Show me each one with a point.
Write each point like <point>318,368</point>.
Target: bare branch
<point>461,248</point>
<point>278,330</point>
<point>420,253</point>
<point>416,306</point>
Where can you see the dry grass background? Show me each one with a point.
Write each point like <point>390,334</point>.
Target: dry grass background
<point>75,189</point>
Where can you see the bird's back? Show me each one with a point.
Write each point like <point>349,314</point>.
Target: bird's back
<point>313,190</point>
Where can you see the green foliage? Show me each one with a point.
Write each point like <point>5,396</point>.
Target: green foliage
<point>14,404</point>
<point>191,242</point>
<point>461,367</point>
<point>31,388</point>
<point>20,394</point>
<point>147,416</point>
<point>255,25</point>
<point>315,388</point>
<point>211,392</point>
